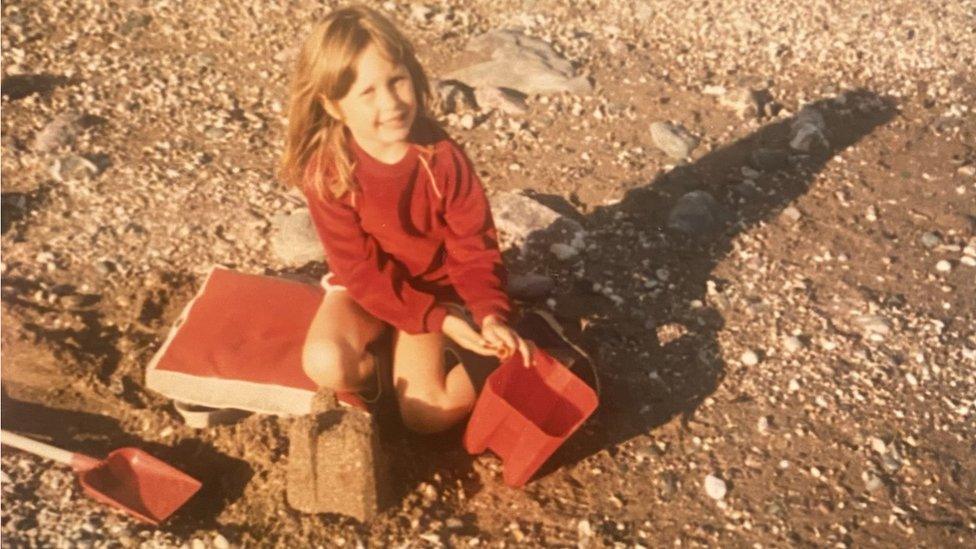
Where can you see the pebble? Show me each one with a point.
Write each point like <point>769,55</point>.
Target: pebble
<point>673,139</point>
<point>878,445</point>
<point>929,239</point>
<point>584,529</point>
<point>220,542</point>
<point>792,344</point>
<point>715,487</point>
<point>968,260</point>
<point>943,266</point>
<point>872,482</point>
<point>749,358</point>
<point>791,214</point>
<point>562,251</point>
<point>872,214</point>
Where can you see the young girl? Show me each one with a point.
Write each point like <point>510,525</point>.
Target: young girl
<point>403,218</point>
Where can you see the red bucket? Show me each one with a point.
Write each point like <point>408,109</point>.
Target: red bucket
<point>524,414</point>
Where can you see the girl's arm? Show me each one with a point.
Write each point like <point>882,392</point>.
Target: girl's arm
<point>474,262</point>
<point>376,280</point>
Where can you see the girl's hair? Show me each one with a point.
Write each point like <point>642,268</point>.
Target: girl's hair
<point>326,66</point>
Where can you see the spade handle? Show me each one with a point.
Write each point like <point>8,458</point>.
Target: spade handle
<point>35,447</point>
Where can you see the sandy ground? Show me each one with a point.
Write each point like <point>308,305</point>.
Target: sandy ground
<point>814,353</point>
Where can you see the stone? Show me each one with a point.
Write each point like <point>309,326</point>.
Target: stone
<point>715,487</point>
<point>744,101</point>
<point>749,358</point>
<point>874,324</point>
<point>673,139</point>
<point>769,159</point>
<point>335,464</point>
<point>454,96</point>
<point>791,214</point>
<point>522,220</point>
<point>530,286</point>
<point>943,266</point>
<point>807,132</point>
<point>694,214</point>
<point>502,99</point>
<point>872,482</point>
<point>73,166</point>
<point>584,529</point>
<point>220,542</point>
<point>522,63</point>
<point>968,260</point>
<point>294,241</point>
<point>61,130</point>
<point>792,344</point>
<point>562,251</point>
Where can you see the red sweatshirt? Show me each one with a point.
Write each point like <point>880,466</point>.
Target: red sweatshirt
<point>416,234</point>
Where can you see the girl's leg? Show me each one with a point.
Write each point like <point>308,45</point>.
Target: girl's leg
<point>334,354</point>
<point>430,399</point>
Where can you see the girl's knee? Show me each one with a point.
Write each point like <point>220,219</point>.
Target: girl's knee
<point>331,364</point>
<point>432,412</point>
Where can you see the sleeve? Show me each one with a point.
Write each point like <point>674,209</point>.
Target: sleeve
<point>376,280</point>
<point>474,262</point>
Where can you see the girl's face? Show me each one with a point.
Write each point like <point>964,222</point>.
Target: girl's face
<point>381,105</point>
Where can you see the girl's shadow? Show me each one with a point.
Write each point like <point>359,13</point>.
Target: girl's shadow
<point>645,381</point>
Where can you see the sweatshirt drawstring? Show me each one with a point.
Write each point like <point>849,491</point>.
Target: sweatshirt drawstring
<point>430,174</point>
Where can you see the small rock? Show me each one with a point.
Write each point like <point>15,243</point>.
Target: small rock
<point>792,344</point>
<point>769,159</point>
<point>874,324</point>
<point>744,101</point>
<point>530,286</point>
<point>762,425</point>
<point>584,529</point>
<point>467,121</point>
<point>890,463</point>
<point>943,266</point>
<point>791,214</point>
<point>295,241</point>
<point>454,523</point>
<point>807,131</point>
<point>694,214</point>
<point>506,101</point>
<point>62,130</point>
<point>73,166</point>
<point>872,482</point>
<point>871,214</point>
<point>715,487</point>
<point>562,251</point>
<point>673,139</point>
<point>453,96</point>
<point>968,260</point>
<point>929,239</point>
<point>749,358</point>
<point>220,542</point>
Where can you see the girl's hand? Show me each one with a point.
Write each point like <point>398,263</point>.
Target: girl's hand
<point>505,340</point>
<point>464,335</point>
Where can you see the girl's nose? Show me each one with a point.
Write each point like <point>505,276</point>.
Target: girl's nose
<point>388,98</point>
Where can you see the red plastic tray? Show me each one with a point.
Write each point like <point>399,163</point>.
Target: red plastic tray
<point>524,414</point>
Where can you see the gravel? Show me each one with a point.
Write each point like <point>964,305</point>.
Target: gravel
<point>139,145</point>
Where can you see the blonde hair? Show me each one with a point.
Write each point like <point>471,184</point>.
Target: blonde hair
<point>326,66</point>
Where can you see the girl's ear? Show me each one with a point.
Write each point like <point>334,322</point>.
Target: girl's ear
<point>331,107</point>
